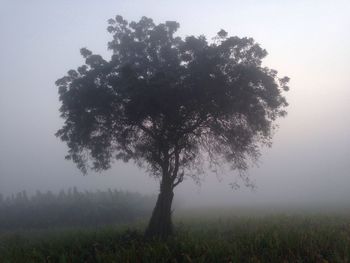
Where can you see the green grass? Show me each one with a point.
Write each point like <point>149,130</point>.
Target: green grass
<point>249,238</point>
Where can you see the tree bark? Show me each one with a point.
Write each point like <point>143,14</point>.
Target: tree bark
<point>160,225</point>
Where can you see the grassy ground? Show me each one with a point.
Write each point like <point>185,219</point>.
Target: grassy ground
<point>249,238</point>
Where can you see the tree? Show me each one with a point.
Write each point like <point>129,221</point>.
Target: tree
<point>170,104</point>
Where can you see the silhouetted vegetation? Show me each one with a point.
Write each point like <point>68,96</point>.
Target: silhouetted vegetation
<point>72,208</point>
<point>170,104</point>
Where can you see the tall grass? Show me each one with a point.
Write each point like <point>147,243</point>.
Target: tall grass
<point>274,238</point>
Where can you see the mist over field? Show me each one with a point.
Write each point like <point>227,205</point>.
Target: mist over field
<point>307,41</point>
<point>182,89</point>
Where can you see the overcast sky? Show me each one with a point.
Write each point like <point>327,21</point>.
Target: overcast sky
<point>309,41</point>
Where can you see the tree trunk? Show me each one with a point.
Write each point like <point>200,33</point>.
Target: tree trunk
<point>160,225</point>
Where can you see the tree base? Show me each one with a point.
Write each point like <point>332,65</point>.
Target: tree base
<point>160,225</point>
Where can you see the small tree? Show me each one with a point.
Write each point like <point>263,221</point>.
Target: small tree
<point>169,104</point>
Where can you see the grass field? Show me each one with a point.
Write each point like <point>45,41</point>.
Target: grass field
<point>199,238</point>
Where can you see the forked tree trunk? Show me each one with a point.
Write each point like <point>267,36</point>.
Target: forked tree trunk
<point>160,225</point>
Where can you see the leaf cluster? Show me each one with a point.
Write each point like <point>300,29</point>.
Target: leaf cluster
<point>170,103</point>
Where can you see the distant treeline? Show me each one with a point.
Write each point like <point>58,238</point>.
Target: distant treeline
<point>72,208</point>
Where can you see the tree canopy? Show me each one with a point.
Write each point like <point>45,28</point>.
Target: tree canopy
<point>169,103</point>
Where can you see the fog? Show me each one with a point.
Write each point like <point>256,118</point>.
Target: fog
<point>306,40</point>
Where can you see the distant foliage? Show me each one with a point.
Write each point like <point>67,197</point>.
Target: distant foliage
<point>72,208</point>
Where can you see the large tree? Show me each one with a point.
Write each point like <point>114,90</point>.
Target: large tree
<point>172,105</point>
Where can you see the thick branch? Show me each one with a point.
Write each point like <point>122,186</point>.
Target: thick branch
<point>176,162</point>
<point>180,178</point>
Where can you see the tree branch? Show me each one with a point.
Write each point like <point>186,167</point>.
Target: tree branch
<point>180,178</point>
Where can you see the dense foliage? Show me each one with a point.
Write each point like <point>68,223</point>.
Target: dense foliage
<point>170,104</point>
<point>72,209</point>
<point>272,239</point>
<point>167,102</point>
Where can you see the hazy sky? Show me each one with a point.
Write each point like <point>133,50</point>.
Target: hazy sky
<point>309,41</point>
